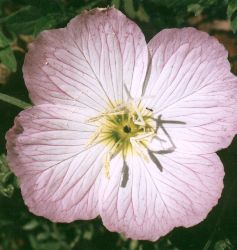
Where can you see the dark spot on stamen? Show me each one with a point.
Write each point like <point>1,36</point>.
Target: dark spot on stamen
<point>126,129</point>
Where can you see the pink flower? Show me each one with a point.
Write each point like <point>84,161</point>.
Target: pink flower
<point>124,129</point>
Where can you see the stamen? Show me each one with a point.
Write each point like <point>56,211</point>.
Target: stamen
<point>94,137</point>
<point>107,164</point>
<point>139,120</point>
<point>108,157</point>
<point>139,149</point>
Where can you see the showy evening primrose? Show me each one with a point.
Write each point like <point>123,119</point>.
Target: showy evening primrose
<point>121,128</point>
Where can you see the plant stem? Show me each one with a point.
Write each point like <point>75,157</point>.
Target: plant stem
<point>14,101</point>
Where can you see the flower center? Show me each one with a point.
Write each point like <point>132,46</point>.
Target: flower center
<point>124,129</point>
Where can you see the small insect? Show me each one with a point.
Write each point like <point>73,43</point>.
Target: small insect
<point>149,109</point>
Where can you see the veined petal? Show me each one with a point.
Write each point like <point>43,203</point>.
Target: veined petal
<point>153,201</point>
<point>58,175</point>
<point>191,83</point>
<point>87,63</point>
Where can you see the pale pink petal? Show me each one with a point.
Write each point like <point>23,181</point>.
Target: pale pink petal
<point>153,201</point>
<point>87,63</point>
<point>192,86</point>
<point>58,174</point>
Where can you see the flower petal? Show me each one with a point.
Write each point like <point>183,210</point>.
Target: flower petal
<point>192,87</point>
<point>153,201</point>
<point>87,63</point>
<point>58,175</point>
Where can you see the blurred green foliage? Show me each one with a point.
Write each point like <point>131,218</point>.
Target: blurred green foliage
<point>232,14</point>
<point>20,22</point>
<point>7,56</point>
<point>6,185</point>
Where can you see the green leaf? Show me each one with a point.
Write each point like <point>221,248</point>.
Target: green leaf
<point>232,14</point>
<point>7,56</point>
<point>48,22</point>
<point>31,225</point>
<point>51,246</point>
<point>223,245</point>
<point>197,9</point>
<point>3,164</point>
<point>234,24</point>
<point>129,8</point>
<point>6,188</point>
<point>91,4</point>
<point>142,14</point>
<point>185,3</point>
<point>30,20</point>
<point>7,191</point>
<point>45,6</point>
<point>22,21</point>
<point>232,8</point>
<point>4,42</point>
<point>116,3</point>
<point>42,236</point>
<point>5,222</point>
<point>139,13</point>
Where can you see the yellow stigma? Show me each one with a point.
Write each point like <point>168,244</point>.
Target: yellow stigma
<point>123,129</point>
